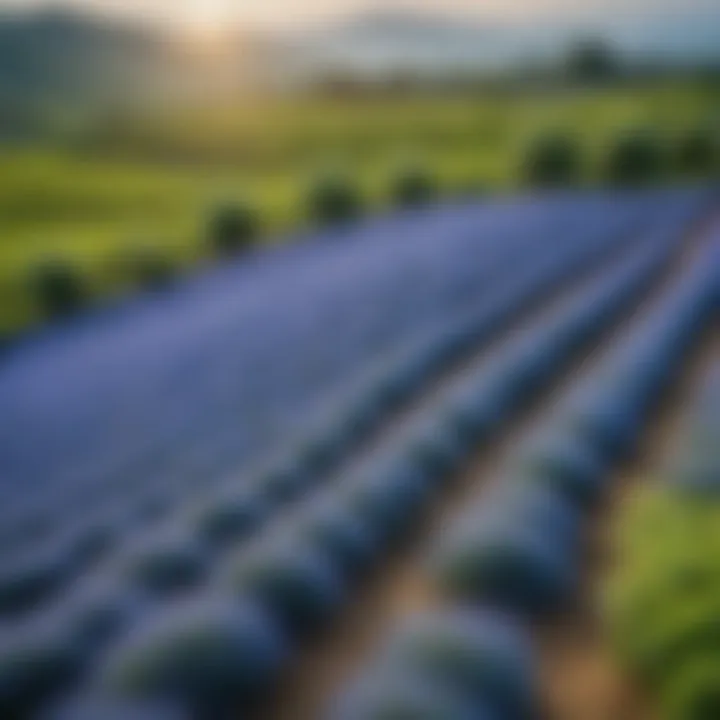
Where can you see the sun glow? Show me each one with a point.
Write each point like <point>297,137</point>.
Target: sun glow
<point>208,21</point>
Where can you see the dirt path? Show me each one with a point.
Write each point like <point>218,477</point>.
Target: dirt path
<point>401,584</point>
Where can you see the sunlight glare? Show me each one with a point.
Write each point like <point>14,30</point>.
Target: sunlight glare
<point>208,21</point>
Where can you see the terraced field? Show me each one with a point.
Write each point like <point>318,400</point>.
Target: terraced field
<point>374,477</point>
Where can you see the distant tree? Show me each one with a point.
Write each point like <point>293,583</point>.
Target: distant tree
<point>413,186</point>
<point>553,160</point>
<point>58,287</point>
<point>333,198</point>
<point>636,156</point>
<point>232,227</point>
<point>591,61</point>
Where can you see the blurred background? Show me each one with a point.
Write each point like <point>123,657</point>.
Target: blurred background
<point>140,139</point>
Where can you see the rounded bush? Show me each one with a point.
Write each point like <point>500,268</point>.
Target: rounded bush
<point>552,160</point>
<point>337,534</point>
<point>365,415</point>
<point>472,421</point>
<point>283,484</point>
<point>383,502</point>
<point>30,581</point>
<point>437,448</point>
<point>369,410</point>
<point>317,456</point>
<point>567,466</point>
<point>635,157</point>
<point>413,186</point>
<point>412,375</point>
<point>232,227</point>
<point>334,198</point>
<point>166,565</point>
<point>517,504</point>
<point>538,509</point>
<point>207,655</point>
<point>492,405</point>
<point>91,543</point>
<point>342,433</point>
<point>611,431</point>
<point>59,288</point>
<point>231,517</point>
<point>513,568</point>
<point>100,611</point>
<point>399,387</point>
<point>482,657</point>
<point>34,668</point>
<point>296,583</point>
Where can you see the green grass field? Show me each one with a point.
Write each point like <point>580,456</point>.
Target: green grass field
<point>99,188</point>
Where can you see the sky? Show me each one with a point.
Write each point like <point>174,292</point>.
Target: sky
<point>218,14</point>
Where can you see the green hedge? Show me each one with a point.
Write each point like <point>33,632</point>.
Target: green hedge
<point>334,197</point>
<point>58,287</point>
<point>233,227</point>
<point>413,186</point>
<point>553,160</point>
<point>663,600</point>
<point>636,157</point>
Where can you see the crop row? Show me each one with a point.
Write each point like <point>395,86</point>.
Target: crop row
<point>226,635</point>
<point>220,356</point>
<point>294,326</point>
<point>515,556</point>
<point>99,515</point>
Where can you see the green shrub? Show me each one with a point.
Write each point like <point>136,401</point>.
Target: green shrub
<point>413,186</point>
<point>697,152</point>
<point>663,600</point>
<point>553,160</point>
<point>334,198</point>
<point>694,693</point>
<point>59,288</point>
<point>636,157</point>
<point>592,60</point>
<point>233,227</point>
<point>208,654</point>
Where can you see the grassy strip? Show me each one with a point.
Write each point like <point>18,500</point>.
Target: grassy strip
<point>663,599</point>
